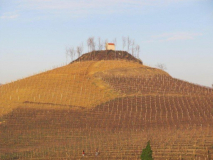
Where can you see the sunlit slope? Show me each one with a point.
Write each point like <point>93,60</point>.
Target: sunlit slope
<point>82,85</point>
<point>74,85</point>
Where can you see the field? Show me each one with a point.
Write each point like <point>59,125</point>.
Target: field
<point>115,106</point>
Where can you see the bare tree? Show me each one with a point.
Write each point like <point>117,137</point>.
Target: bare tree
<point>161,66</point>
<point>67,54</point>
<point>82,48</point>
<point>90,41</point>
<point>79,50</point>
<point>100,45</point>
<point>137,50</point>
<point>88,44</point>
<point>128,43</point>
<point>91,44</point>
<point>133,48</point>
<point>124,42</point>
<point>72,53</point>
<point>115,42</point>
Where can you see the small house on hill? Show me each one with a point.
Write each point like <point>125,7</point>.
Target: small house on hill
<point>110,46</point>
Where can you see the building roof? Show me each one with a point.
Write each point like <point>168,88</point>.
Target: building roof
<point>111,44</point>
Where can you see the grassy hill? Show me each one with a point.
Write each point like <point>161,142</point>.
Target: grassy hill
<point>113,103</point>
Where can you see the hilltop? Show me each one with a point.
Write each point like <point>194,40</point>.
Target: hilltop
<point>107,55</point>
<point>104,101</point>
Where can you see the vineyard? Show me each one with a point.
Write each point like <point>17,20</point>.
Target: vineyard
<point>114,105</point>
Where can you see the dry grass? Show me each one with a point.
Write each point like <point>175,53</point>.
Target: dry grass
<point>70,85</point>
<point>113,105</point>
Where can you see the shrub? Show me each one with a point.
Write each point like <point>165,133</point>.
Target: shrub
<point>147,152</point>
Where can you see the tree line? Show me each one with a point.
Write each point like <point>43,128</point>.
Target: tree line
<point>128,45</point>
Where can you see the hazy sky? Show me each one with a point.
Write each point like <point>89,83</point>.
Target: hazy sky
<point>178,33</point>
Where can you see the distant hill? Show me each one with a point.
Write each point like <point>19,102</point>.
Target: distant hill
<point>107,101</point>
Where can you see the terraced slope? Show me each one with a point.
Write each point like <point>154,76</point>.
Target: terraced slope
<point>114,106</point>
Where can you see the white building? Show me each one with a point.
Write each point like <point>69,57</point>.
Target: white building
<point>110,46</point>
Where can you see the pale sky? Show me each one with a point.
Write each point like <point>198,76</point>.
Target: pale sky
<point>178,33</point>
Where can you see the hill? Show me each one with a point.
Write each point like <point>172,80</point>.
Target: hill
<point>113,104</point>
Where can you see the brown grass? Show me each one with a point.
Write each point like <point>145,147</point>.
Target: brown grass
<point>113,105</point>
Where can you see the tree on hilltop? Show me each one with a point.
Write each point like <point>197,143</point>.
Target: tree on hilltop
<point>67,54</point>
<point>115,42</point>
<point>124,42</point>
<point>100,45</point>
<point>147,152</point>
<point>137,49</point>
<point>129,42</point>
<point>79,50</point>
<point>161,66</point>
<point>72,53</point>
<point>133,48</point>
<point>91,44</point>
